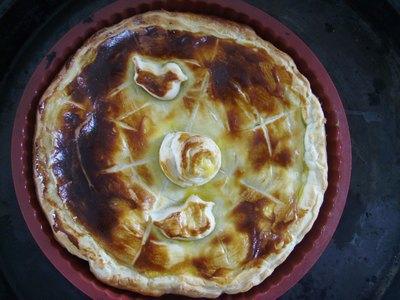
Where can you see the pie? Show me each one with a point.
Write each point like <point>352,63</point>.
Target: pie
<point>180,153</point>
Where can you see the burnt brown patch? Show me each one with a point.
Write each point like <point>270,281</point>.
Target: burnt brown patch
<point>138,138</point>
<point>90,207</point>
<point>259,154</point>
<point>234,67</point>
<point>264,239</point>
<point>107,70</point>
<point>271,76</point>
<point>76,93</point>
<point>274,141</point>
<point>283,158</point>
<point>284,76</point>
<point>141,196</point>
<point>145,173</point>
<point>87,194</point>
<point>207,270</point>
<point>263,101</point>
<point>258,150</point>
<point>221,273</point>
<point>189,103</point>
<point>200,263</point>
<point>156,41</point>
<point>71,119</point>
<point>152,257</point>
<point>112,108</point>
<point>247,214</point>
<point>238,173</point>
<point>234,120</point>
<point>97,141</point>
<point>112,185</point>
<point>240,73</point>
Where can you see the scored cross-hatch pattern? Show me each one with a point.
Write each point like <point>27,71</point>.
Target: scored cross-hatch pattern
<point>132,163</point>
<point>119,121</point>
<point>262,123</point>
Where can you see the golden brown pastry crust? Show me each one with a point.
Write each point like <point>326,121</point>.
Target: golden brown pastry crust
<point>125,270</point>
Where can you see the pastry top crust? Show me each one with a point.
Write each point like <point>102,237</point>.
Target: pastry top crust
<point>96,146</point>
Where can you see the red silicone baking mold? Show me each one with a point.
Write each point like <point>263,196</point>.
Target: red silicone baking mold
<point>339,154</point>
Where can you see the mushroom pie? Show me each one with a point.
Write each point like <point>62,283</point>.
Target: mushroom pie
<point>180,153</point>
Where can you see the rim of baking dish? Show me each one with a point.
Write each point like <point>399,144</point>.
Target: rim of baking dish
<point>305,254</point>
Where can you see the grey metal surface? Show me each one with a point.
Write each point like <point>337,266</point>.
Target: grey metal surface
<point>363,59</point>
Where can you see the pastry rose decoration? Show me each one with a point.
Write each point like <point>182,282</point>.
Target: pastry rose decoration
<point>189,159</point>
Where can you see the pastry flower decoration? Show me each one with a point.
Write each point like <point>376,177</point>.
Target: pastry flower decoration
<point>189,159</point>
